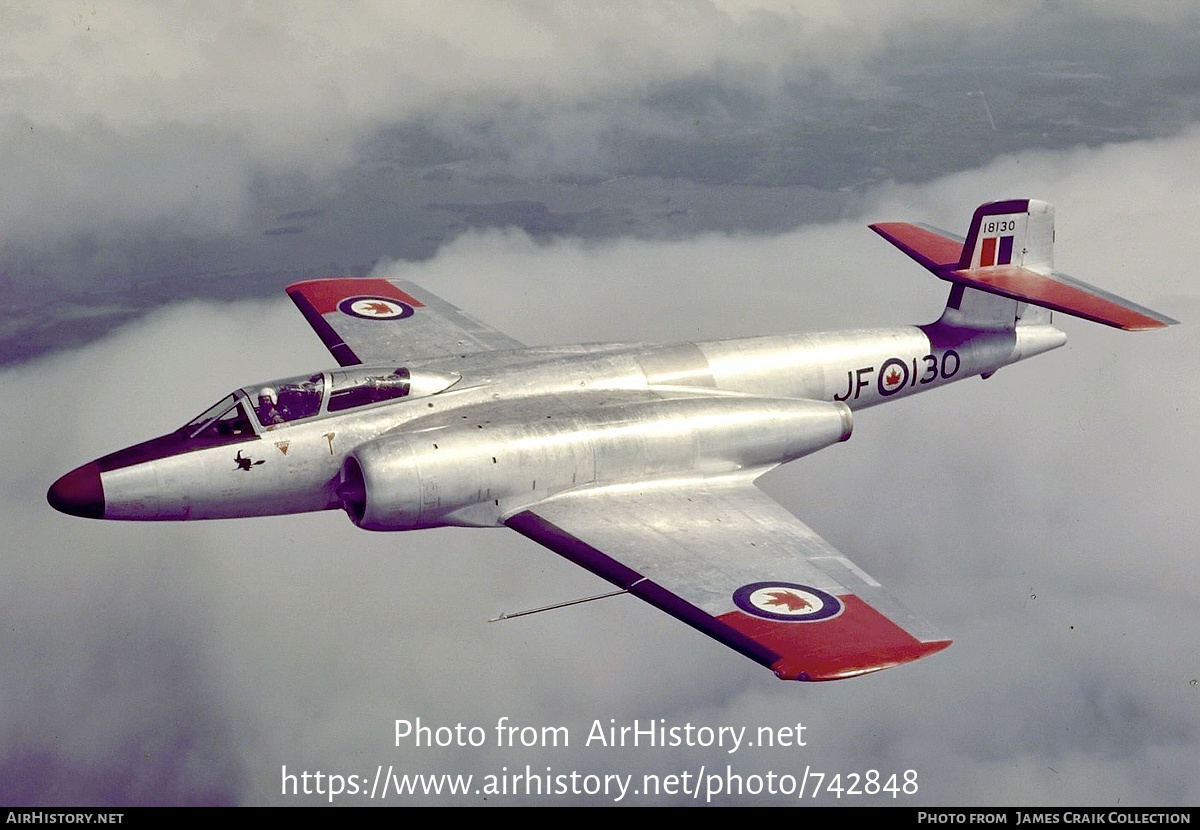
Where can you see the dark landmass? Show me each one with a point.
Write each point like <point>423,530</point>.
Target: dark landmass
<point>739,162</point>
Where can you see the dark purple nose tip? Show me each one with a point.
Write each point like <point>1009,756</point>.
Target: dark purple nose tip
<point>79,493</point>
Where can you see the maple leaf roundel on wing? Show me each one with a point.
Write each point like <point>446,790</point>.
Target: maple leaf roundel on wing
<point>787,601</point>
<point>375,308</point>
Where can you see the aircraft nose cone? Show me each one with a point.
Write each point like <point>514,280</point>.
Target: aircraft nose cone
<point>79,493</point>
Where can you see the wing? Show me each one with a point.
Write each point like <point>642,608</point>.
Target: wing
<point>376,321</point>
<point>726,559</point>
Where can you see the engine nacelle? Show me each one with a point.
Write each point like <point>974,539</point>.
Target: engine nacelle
<point>380,485</point>
<point>474,473</point>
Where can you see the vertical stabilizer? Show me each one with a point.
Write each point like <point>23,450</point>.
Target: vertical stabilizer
<point>1015,233</point>
<point>972,308</point>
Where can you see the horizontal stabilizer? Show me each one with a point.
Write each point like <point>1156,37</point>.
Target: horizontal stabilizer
<point>1009,252</point>
<point>1062,293</point>
<point>933,249</point>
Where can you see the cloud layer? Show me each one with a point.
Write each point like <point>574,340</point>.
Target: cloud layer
<point>125,116</point>
<point>1043,518</point>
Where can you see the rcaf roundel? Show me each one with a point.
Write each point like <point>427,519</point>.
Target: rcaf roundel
<point>787,601</point>
<point>893,374</point>
<point>375,308</point>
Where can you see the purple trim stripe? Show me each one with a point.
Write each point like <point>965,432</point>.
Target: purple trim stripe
<point>166,446</point>
<point>342,353</point>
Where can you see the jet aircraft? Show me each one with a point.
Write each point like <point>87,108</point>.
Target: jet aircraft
<point>635,461</point>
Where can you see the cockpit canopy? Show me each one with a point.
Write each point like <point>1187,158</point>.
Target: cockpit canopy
<point>253,409</point>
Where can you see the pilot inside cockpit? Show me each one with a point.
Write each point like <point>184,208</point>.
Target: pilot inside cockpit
<point>267,409</point>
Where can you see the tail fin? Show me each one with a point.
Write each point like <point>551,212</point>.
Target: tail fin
<point>1016,233</point>
<point>1009,252</point>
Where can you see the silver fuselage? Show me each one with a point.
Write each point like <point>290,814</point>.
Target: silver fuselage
<point>522,425</point>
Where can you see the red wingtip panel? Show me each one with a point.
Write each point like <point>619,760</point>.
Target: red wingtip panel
<point>927,247</point>
<point>1069,298</point>
<point>324,295</point>
<point>857,641</point>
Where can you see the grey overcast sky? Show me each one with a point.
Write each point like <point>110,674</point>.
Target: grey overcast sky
<point>581,173</point>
